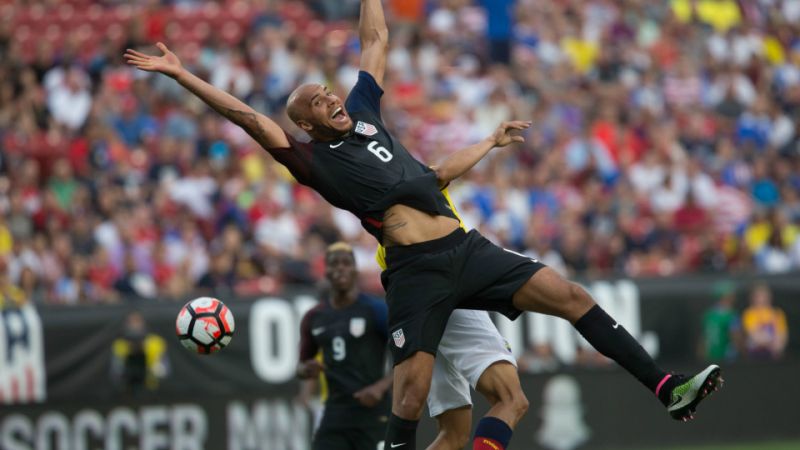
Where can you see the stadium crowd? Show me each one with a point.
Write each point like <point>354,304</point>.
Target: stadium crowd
<point>664,137</point>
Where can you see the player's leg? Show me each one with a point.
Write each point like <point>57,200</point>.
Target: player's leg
<point>549,293</point>
<point>454,427</point>
<point>481,357</point>
<point>495,275</point>
<point>413,346</point>
<point>420,294</point>
<point>500,384</point>
<point>449,400</point>
<point>412,382</point>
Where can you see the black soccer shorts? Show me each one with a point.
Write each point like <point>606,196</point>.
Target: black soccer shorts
<point>425,282</point>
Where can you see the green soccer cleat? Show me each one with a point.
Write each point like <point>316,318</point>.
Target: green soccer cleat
<point>688,393</point>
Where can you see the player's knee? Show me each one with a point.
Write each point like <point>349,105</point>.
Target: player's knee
<point>576,302</point>
<point>549,293</point>
<point>515,402</point>
<point>412,399</point>
<point>520,405</point>
<point>411,404</point>
<point>412,381</point>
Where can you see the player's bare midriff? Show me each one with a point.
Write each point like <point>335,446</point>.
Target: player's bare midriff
<point>404,225</point>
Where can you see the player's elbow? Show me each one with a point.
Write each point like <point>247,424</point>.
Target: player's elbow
<point>376,37</point>
<point>302,371</point>
<point>443,175</point>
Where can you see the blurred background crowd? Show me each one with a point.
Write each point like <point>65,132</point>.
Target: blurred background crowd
<point>664,137</point>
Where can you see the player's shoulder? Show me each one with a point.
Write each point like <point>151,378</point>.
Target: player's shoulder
<point>367,80</point>
<point>372,302</point>
<point>316,310</point>
<point>296,143</point>
<point>368,299</point>
<point>365,95</point>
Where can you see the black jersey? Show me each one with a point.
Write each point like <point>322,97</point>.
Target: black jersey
<point>368,170</point>
<point>353,343</point>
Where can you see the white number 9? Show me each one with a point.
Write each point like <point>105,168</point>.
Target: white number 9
<point>339,351</point>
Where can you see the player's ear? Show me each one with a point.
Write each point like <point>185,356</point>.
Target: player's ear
<point>305,125</point>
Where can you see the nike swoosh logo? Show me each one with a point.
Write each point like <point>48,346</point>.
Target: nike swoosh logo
<point>677,400</point>
<point>392,445</point>
<point>337,145</point>
<point>317,331</point>
<point>615,326</point>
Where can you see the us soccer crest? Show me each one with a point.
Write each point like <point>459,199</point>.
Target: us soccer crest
<point>399,338</point>
<point>357,326</point>
<point>366,129</point>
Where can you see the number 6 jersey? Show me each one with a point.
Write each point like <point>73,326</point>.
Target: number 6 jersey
<point>367,170</point>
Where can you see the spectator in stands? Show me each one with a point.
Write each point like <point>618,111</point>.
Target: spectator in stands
<point>138,358</point>
<point>74,286</point>
<point>69,99</point>
<point>6,239</point>
<point>219,280</point>
<point>134,284</point>
<point>764,325</point>
<point>11,296</point>
<point>775,256</point>
<point>722,331</point>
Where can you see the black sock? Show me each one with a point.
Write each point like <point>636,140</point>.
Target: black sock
<point>401,433</point>
<point>613,341</point>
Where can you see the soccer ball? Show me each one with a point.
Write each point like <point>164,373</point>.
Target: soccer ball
<point>205,325</point>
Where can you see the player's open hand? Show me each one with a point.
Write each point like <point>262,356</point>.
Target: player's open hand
<point>167,63</point>
<point>310,368</point>
<point>503,136</point>
<point>369,396</point>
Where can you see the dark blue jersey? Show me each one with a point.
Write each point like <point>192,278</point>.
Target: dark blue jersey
<point>368,170</point>
<point>353,343</point>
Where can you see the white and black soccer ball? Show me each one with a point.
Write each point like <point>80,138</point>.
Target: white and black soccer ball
<point>205,325</point>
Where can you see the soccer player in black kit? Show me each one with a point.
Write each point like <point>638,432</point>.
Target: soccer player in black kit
<point>472,352</point>
<point>350,329</point>
<point>433,266</point>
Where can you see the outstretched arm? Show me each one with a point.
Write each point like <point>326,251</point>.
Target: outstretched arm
<point>374,37</point>
<point>461,161</point>
<point>266,132</point>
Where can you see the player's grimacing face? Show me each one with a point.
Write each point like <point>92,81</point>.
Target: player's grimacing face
<point>327,110</point>
<point>340,270</point>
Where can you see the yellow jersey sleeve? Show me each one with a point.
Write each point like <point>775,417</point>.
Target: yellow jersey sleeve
<point>380,253</point>
<point>380,256</point>
<point>323,380</point>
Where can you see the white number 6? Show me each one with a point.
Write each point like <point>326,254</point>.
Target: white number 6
<point>380,151</point>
